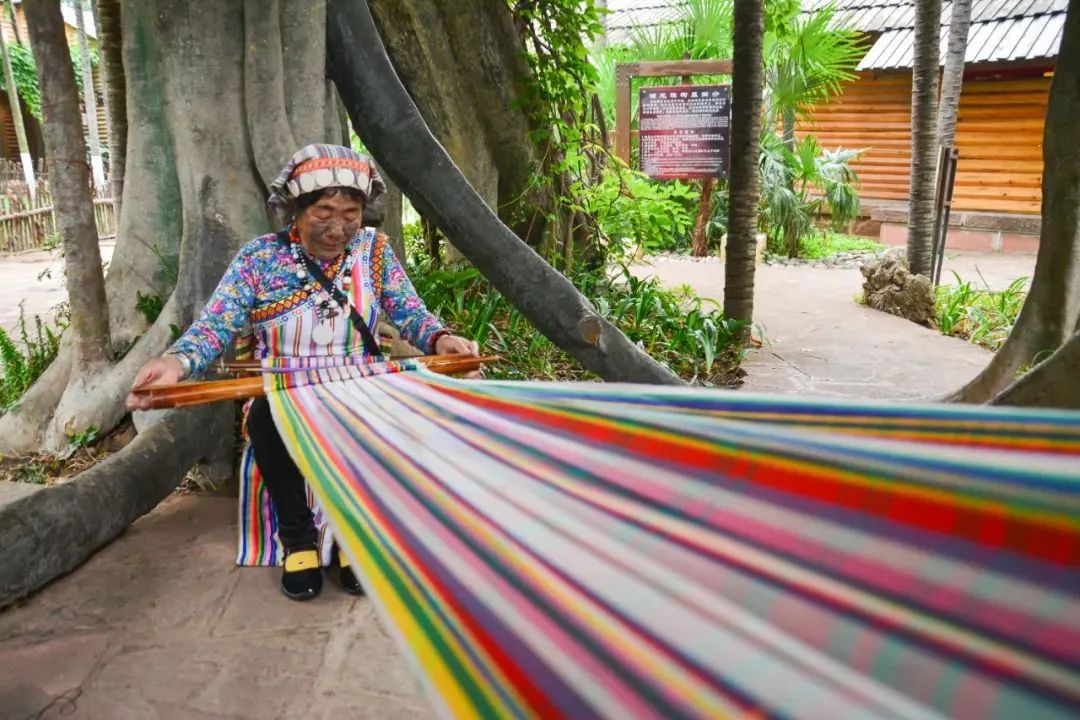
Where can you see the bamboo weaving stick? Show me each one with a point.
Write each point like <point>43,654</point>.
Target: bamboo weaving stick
<point>197,393</point>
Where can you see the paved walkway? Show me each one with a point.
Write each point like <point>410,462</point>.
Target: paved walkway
<point>161,625</point>
<point>821,342</point>
<point>34,283</point>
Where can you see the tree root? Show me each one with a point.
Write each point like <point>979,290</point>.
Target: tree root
<point>53,531</point>
<point>1052,383</point>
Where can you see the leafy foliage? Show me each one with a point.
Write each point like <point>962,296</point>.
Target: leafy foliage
<point>23,360</point>
<point>677,328</point>
<point>22,66</point>
<point>807,57</point>
<point>631,208</point>
<point>982,316</point>
<point>797,185</point>
<point>149,305</point>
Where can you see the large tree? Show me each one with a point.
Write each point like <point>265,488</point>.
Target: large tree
<point>1051,313</point>
<point>924,141</point>
<point>747,83</point>
<point>218,96</point>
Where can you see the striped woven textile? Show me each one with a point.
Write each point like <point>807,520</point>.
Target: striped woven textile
<point>606,551</point>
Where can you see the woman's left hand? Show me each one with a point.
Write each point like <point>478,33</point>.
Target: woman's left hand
<point>454,345</point>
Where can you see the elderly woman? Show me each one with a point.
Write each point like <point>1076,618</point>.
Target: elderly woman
<point>315,288</point>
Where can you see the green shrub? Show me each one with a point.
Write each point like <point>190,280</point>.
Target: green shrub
<point>686,333</point>
<point>23,360</point>
<point>982,316</point>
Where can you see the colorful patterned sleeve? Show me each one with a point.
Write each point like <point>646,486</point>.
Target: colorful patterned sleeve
<point>225,313</point>
<point>403,307</point>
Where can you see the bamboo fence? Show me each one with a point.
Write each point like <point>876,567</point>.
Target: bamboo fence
<point>29,223</point>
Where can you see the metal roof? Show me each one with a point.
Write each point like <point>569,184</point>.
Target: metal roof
<point>1001,30</point>
<point>625,17</point>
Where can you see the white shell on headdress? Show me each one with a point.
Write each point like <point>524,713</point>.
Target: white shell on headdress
<point>346,177</point>
<point>324,177</point>
<point>307,182</point>
<point>294,188</point>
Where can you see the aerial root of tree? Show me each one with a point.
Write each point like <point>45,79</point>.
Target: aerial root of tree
<point>393,129</point>
<point>53,531</point>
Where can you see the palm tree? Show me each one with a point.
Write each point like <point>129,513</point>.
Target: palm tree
<point>747,83</point>
<point>953,79</point>
<point>924,140</point>
<point>807,58</point>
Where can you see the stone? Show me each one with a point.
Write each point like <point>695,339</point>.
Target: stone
<point>890,287</point>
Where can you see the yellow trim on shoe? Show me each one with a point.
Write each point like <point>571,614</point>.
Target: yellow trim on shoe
<point>301,560</point>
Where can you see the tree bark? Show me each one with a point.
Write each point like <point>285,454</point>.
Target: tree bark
<point>110,48</point>
<point>17,118</point>
<point>699,243</point>
<point>462,65</point>
<point>924,143</point>
<point>89,101</point>
<point>952,81</point>
<point>70,185</point>
<point>53,531</point>
<point>1052,383</point>
<point>747,84</point>
<point>1052,310</point>
<point>401,142</point>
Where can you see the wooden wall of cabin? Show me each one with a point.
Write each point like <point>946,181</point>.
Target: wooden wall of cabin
<point>999,134</point>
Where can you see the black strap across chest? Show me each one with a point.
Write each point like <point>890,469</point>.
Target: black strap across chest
<point>371,347</point>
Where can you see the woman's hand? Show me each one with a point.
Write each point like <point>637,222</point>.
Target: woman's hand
<point>454,345</point>
<point>159,371</point>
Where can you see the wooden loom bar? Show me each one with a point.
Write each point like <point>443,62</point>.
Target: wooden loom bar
<point>186,394</point>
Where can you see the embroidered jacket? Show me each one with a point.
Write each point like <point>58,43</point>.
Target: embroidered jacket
<point>261,286</point>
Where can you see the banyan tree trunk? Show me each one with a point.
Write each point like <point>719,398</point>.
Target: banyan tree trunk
<point>393,129</point>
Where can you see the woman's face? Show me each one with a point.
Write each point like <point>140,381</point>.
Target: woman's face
<point>327,226</point>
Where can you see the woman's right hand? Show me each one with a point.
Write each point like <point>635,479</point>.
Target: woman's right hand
<point>159,371</point>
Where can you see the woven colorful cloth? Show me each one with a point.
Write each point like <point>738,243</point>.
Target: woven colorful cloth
<point>606,551</point>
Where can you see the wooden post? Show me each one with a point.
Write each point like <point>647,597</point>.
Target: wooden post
<point>623,73</point>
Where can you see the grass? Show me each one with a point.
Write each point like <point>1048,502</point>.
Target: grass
<point>825,244</point>
<point>979,315</point>
<point>686,333</point>
<point>24,355</point>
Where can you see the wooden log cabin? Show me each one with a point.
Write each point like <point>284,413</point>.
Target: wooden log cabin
<point>1011,52</point>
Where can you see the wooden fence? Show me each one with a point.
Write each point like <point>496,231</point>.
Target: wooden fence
<point>30,224</point>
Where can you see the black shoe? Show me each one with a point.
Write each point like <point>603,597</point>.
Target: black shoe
<point>302,579</point>
<point>349,582</point>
